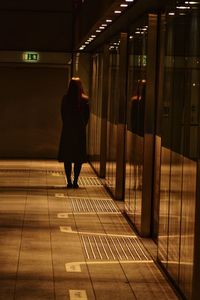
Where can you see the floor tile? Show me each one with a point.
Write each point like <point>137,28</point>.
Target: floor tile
<point>56,242</point>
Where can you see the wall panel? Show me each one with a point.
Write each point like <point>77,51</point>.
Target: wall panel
<point>30,122</point>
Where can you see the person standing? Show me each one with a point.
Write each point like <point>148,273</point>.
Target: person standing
<point>75,116</point>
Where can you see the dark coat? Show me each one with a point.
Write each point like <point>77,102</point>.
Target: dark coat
<point>73,137</point>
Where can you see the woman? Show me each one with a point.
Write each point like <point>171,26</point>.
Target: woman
<point>75,115</point>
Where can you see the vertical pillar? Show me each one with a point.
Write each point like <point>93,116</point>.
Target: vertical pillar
<point>149,127</point>
<point>196,262</point>
<point>120,163</point>
<point>157,154</point>
<point>103,142</point>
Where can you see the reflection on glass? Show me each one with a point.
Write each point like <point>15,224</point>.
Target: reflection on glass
<point>95,115</point>
<point>164,206</point>
<point>187,226</point>
<point>174,213</point>
<point>112,116</point>
<point>135,123</point>
<point>180,121</point>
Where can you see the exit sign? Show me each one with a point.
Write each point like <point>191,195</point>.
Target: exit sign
<point>31,56</point>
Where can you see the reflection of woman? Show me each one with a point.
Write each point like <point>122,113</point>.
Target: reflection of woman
<point>75,115</point>
<point>136,126</point>
<point>137,108</point>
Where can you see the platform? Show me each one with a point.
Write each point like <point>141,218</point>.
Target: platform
<point>58,243</point>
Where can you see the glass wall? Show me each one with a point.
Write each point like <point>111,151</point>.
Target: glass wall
<point>180,121</point>
<point>112,113</point>
<point>135,122</point>
<point>96,111</point>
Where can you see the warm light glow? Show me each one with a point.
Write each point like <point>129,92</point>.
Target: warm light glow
<point>191,2</point>
<point>183,7</point>
<point>104,25</point>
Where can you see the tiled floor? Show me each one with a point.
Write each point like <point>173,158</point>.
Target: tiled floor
<point>74,244</point>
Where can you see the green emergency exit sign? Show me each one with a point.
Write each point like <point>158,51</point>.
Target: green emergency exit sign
<point>31,56</point>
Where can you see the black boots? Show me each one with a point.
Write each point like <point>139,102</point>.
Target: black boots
<point>69,185</point>
<point>68,171</point>
<point>74,185</point>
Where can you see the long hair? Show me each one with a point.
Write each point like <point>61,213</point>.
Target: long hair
<point>74,93</point>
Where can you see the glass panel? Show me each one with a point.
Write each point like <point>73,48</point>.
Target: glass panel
<point>112,116</point>
<point>180,121</point>
<point>190,126</point>
<point>135,122</point>
<point>174,214</point>
<point>96,109</point>
<point>164,206</point>
<point>165,152</point>
<point>187,225</point>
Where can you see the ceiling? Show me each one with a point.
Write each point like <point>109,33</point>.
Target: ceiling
<point>42,25</point>
<point>37,5</point>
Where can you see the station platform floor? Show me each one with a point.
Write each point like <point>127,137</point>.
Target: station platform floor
<point>58,243</point>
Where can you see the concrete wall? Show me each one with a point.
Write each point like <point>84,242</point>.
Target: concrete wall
<point>30,122</point>
<point>30,94</point>
<point>41,25</point>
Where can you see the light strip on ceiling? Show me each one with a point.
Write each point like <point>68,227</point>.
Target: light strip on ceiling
<point>122,7</point>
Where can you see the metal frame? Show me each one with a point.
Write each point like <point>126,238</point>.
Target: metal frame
<point>196,263</point>
<point>149,126</point>
<point>120,164</point>
<point>103,145</point>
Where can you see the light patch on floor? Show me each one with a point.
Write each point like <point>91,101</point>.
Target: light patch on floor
<point>78,295</point>
<point>76,266</point>
<point>62,216</point>
<point>59,195</point>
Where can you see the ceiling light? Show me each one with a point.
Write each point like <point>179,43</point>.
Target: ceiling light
<point>123,5</point>
<point>108,20</point>
<point>183,7</point>
<point>191,2</point>
<point>117,11</point>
